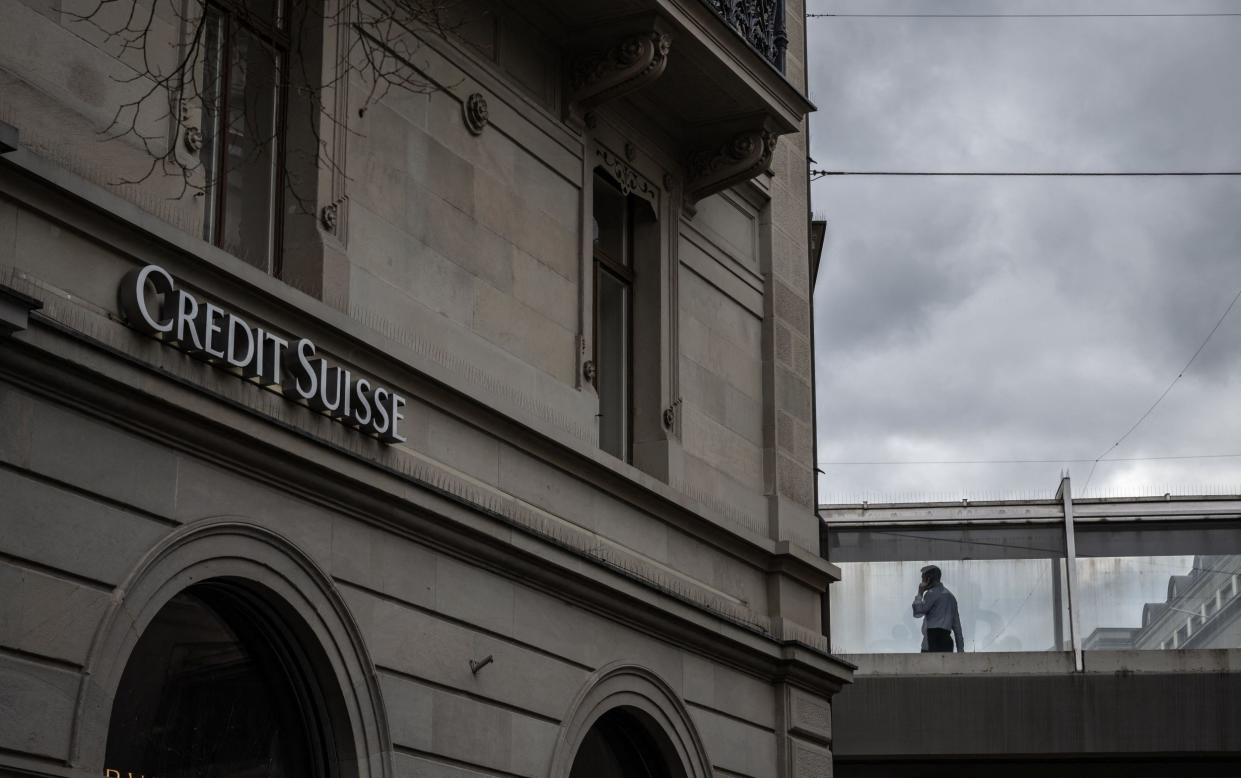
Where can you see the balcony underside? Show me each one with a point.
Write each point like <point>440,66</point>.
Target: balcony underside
<point>713,81</point>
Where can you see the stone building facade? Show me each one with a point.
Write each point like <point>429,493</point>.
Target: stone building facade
<point>1202,610</point>
<point>461,426</point>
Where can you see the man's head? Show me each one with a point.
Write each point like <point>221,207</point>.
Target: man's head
<point>931,575</point>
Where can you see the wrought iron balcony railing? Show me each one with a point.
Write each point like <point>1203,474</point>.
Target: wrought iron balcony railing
<point>760,22</point>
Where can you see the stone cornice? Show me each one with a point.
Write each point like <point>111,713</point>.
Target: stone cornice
<point>446,512</point>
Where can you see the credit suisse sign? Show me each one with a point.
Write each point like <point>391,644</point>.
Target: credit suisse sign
<point>152,303</point>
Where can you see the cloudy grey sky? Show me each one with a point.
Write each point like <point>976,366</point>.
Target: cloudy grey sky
<point>1026,318</point>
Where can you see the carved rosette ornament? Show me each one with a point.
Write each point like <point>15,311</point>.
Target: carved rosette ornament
<point>474,110</point>
<point>600,76</point>
<point>741,158</point>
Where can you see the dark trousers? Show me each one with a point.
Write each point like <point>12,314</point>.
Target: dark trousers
<point>938,641</point>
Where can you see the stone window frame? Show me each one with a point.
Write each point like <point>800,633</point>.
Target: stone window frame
<point>654,446</point>
<point>274,35</point>
<point>309,239</point>
<point>287,580</point>
<point>623,273</point>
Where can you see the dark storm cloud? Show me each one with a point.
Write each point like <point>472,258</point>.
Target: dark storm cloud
<point>896,279</point>
<point>988,318</point>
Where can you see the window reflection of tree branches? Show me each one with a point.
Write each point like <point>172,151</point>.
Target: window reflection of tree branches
<point>244,63</point>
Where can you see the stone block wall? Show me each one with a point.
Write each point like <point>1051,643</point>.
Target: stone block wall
<point>471,246</point>
<point>474,228</point>
<point>76,524</point>
<point>458,270</point>
<point>721,355</point>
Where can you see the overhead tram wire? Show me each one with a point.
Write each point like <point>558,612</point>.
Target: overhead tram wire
<point>913,462</point>
<point>816,174</point>
<point>1155,404</point>
<point>1205,14</point>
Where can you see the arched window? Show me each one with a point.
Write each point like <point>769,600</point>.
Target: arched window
<point>214,688</point>
<point>621,744</point>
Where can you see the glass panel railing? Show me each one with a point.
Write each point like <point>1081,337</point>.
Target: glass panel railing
<point>1004,604</point>
<point>1147,573</point>
<point>1159,602</point>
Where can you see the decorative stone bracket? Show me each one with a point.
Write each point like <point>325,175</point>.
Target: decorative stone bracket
<point>595,77</point>
<point>8,138</point>
<point>15,309</point>
<point>189,132</point>
<point>670,413</point>
<point>740,158</point>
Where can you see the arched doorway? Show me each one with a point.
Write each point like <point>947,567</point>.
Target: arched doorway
<point>229,652</point>
<point>627,722</point>
<point>214,687</point>
<point>622,744</point>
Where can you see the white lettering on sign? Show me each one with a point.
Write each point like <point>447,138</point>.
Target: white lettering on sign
<point>290,366</point>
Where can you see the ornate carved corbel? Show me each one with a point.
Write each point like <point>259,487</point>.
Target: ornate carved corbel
<point>738,159</point>
<point>605,74</point>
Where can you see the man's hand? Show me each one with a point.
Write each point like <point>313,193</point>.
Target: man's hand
<point>923,586</point>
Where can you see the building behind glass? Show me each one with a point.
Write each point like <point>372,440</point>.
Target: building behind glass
<point>1102,637</point>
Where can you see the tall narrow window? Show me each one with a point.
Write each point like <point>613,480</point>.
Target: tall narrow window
<point>613,249</point>
<point>245,52</point>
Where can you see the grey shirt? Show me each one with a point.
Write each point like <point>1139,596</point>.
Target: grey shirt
<point>937,608</point>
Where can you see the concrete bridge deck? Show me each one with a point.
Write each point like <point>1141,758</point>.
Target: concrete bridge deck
<point>1129,713</point>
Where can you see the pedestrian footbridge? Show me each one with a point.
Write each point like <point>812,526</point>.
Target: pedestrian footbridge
<point>1102,637</point>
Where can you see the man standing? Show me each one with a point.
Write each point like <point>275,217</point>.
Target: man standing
<point>937,608</point>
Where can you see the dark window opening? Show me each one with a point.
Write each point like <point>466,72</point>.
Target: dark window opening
<point>245,55</point>
<point>213,690</point>
<point>618,745</point>
<point>613,348</point>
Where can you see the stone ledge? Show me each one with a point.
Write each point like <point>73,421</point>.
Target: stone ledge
<point>1020,663</point>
